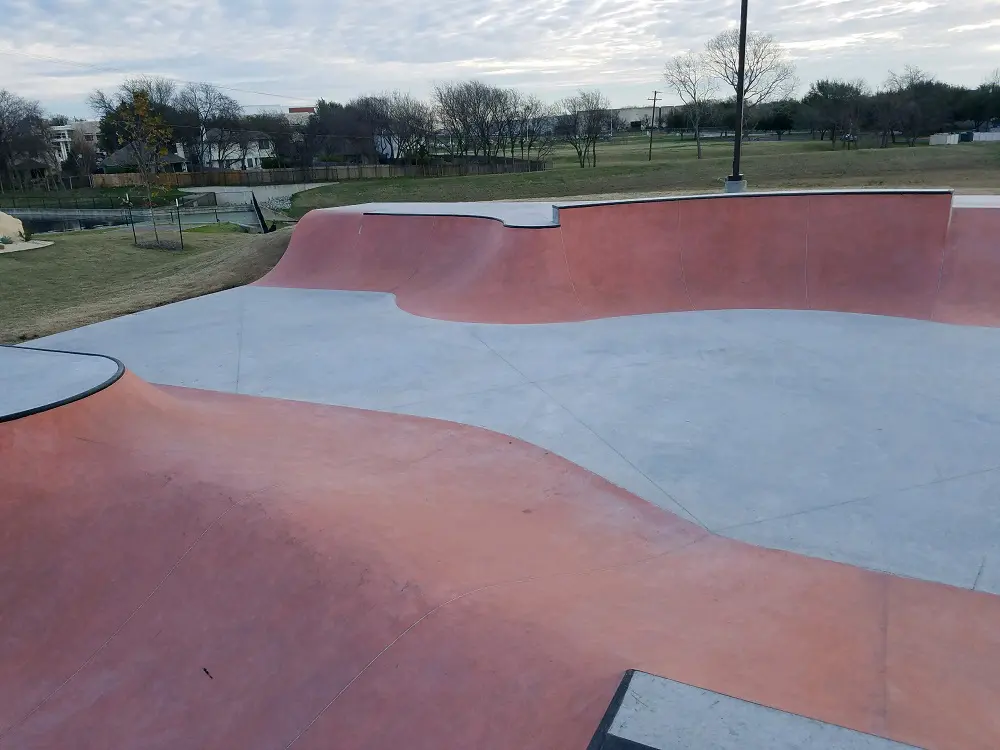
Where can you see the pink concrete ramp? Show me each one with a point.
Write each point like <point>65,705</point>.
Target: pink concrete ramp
<point>888,253</point>
<point>185,569</point>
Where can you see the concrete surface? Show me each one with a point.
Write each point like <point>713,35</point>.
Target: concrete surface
<point>187,569</point>
<point>511,213</point>
<point>458,587</point>
<point>976,201</point>
<point>18,246</point>
<point>804,431</point>
<point>661,714</point>
<point>32,380</point>
<point>240,195</point>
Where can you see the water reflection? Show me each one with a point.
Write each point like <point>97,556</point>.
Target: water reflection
<point>36,225</point>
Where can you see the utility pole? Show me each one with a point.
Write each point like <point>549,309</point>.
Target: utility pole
<point>651,121</point>
<point>735,183</point>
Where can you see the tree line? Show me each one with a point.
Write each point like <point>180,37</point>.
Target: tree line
<point>477,122</point>
<point>904,107</point>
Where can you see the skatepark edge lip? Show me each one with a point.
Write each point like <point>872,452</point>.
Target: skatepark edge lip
<point>69,399</point>
<point>879,252</point>
<point>558,206</point>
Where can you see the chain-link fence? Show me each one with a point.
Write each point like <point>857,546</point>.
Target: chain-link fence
<point>57,202</point>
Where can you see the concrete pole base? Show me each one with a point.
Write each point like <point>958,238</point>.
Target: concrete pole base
<point>736,186</point>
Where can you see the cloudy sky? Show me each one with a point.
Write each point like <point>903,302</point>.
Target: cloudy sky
<point>286,52</point>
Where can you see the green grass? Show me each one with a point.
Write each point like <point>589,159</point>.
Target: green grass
<point>769,165</point>
<point>222,227</point>
<point>95,275</point>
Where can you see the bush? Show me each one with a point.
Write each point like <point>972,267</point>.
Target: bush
<point>26,234</point>
<point>5,240</point>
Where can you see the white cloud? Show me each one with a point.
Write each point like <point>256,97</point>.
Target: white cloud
<point>304,49</point>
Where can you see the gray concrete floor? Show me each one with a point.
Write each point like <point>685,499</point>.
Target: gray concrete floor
<point>662,714</point>
<point>31,380</point>
<point>868,440</point>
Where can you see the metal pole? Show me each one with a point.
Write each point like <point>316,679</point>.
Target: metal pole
<point>180,229</point>
<point>735,183</point>
<point>651,120</point>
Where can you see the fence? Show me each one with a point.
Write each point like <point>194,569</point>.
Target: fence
<point>255,177</point>
<point>13,201</point>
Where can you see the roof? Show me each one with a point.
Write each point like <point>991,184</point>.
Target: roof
<point>125,157</point>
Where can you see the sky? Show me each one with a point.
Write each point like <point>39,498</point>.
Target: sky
<point>292,52</point>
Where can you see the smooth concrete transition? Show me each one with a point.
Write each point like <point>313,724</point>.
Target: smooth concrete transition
<point>189,569</point>
<point>661,714</point>
<point>31,380</point>
<point>886,253</point>
<point>229,557</point>
<point>864,439</point>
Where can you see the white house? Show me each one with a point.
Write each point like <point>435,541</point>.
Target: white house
<point>231,151</point>
<point>62,136</point>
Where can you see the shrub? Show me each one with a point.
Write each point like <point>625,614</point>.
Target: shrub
<point>26,234</point>
<point>5,240</point>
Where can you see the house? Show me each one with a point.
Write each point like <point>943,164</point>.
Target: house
<point>29,172</point>
<point>221,149</point>
<point>123,160</point>
<point>63,135</point>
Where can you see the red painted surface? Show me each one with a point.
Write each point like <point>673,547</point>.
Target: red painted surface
<point>970,282</point>
<point>879,253</point>
<point>193,569</point>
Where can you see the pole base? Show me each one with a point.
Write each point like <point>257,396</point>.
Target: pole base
<point>735,186</point>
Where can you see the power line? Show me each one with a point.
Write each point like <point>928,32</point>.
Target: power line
<point>103,69</point>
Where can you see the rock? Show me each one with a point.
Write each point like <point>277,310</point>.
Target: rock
<point>11,227</point>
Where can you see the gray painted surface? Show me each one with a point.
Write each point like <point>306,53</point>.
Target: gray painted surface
<point>976,201</point>
<point>669,715</point>
<point>31,379</point>
<point>512,213</point>
<point>869,440</point>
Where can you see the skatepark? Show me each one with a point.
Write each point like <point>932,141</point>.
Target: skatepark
<point>711,471</point>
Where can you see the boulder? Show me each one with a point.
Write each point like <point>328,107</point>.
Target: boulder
<point>11,227</point>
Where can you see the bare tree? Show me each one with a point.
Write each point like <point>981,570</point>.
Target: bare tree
<point>83,155</point>
<point>584,119</point>
<point>691,78</point>
<point>412,124</point>
<point>837,105</point>
<point>211,123</point>
<point>453,110</point>
<point>534,127</point>
<point>769,75</point>
<point>160,91</point>
<point>920,103</point>
<point>375,113</point>
<point>24,134</point>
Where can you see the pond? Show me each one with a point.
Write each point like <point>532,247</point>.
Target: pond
<point>48,224</point>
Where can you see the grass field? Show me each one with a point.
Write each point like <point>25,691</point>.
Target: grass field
<point>95,275</point>
<point>222,227</point>
<point>624,171</point>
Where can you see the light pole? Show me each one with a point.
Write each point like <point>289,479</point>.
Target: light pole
<point>735,182</point>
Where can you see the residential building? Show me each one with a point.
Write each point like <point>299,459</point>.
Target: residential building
<point>226,150</point>
<point>124,160</point>
<point>63,135</point>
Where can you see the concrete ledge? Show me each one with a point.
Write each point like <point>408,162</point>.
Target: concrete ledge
<point>654,713</point>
